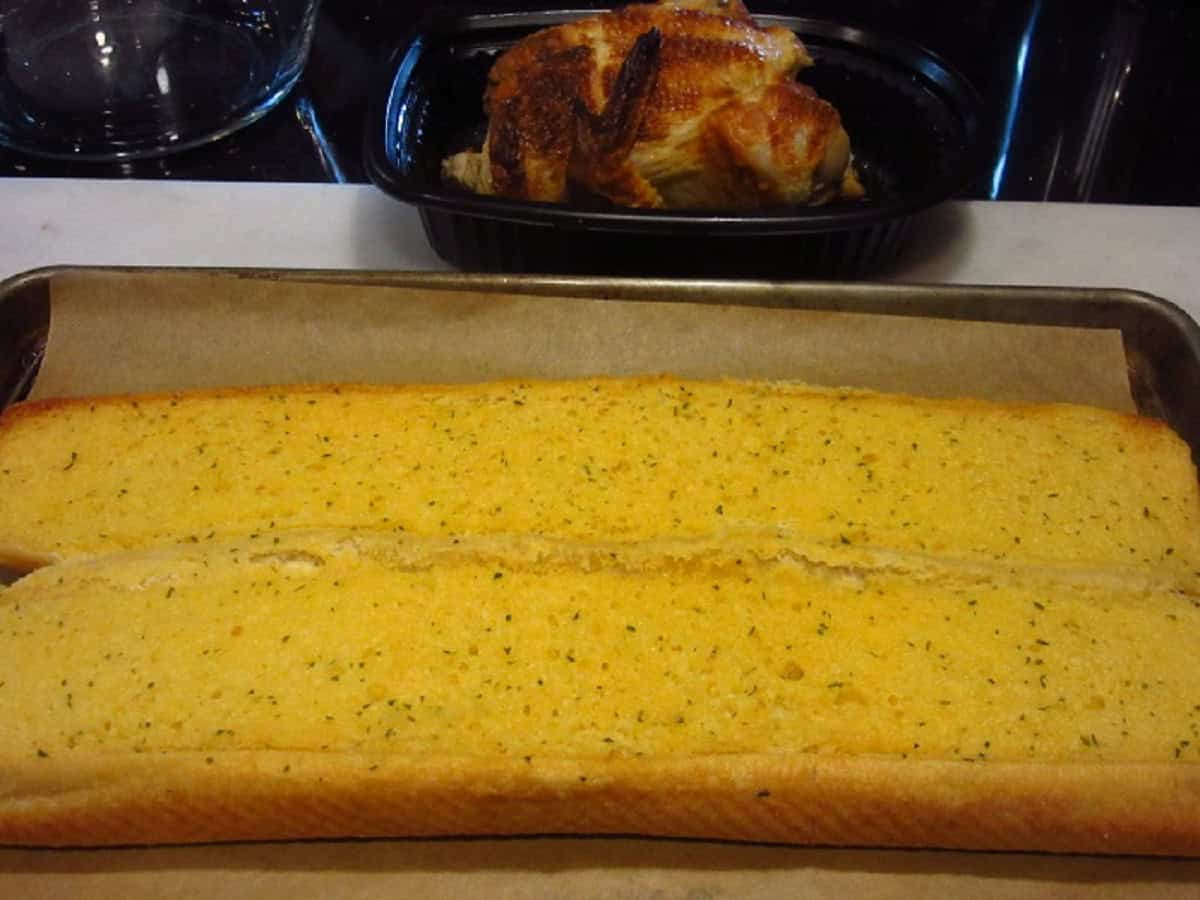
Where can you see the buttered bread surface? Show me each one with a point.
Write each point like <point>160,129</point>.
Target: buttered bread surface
<point>711,609</point>
<point>625,460</point>
<point>329,642</point>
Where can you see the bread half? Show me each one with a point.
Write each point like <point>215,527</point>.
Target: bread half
<point>338,684</point>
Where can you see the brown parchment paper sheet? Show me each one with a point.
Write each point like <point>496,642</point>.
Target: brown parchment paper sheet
<point>126,333</point>
<point>116,333</point>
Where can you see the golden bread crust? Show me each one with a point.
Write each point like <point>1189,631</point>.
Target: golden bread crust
<point>120,799</point>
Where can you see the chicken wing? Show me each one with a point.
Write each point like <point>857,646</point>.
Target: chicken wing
<point>676,104</point>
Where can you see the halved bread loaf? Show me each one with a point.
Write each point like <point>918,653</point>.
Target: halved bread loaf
<point>334,684</point>
<point>609,459</point>
<point>714,609</point>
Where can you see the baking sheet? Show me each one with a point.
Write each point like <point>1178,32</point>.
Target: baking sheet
<point>117,332</point>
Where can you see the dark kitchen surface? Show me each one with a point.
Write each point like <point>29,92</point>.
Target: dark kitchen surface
<point>1083,101</point>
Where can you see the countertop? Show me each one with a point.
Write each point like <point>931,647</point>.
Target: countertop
<point>105,222</point>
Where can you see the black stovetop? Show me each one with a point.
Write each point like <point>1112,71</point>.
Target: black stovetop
<point>1083,100</point>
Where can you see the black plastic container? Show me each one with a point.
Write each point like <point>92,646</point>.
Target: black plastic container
<point>912,121</point>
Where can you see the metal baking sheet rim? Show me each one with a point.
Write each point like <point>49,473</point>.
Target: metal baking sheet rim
<point>1162,342</point>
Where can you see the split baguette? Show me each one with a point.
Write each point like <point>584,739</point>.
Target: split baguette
<point>711,609</point>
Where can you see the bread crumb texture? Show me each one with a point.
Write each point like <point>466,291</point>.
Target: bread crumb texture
<point>338,644</point>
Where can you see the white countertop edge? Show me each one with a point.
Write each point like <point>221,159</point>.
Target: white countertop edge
<point>327,226</point>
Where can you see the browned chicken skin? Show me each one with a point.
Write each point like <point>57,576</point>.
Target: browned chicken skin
<point>676,104</point>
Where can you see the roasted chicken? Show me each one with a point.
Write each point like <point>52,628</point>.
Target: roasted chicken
<point>675,104</point>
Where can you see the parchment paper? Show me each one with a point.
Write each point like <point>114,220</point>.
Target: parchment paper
<point>116,333</point>
<point>124,333</point>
